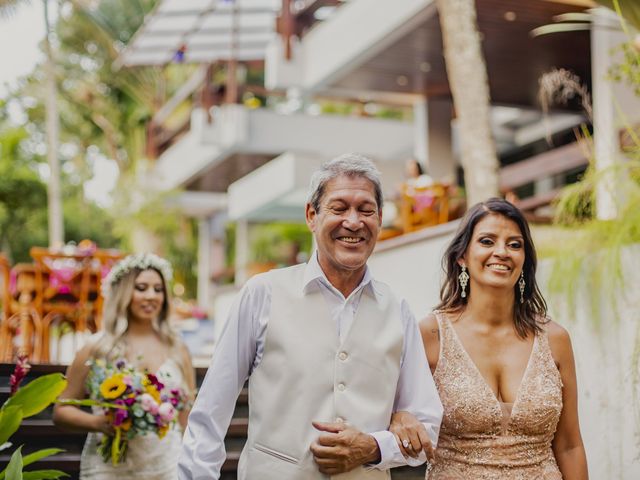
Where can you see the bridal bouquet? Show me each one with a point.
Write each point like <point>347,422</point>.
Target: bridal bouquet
<point>137,403</point>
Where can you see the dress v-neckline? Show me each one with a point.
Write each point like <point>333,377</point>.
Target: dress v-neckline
<point>498,404</point>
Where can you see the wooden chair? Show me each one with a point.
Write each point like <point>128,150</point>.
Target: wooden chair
<point>21,325</point>
<point>6,280</point>
<point>62,291</point>
<point>424,206</point>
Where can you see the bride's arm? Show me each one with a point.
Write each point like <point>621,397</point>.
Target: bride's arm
<point>190,381</point>
<point>73,418</point>
<point>567,442</point>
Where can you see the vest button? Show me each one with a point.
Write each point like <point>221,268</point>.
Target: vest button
<point>343,356</point>
<point>341,387</point>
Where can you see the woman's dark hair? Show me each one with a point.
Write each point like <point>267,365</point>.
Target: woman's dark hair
<point>528,315</point>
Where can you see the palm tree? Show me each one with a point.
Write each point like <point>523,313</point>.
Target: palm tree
<point>469,85</point>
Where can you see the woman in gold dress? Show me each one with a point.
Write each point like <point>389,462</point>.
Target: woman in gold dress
<point>504,371</point>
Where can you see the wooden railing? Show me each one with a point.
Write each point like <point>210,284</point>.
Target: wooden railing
<point>539,167</point>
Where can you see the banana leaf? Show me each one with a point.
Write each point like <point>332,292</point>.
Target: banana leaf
<point>37,394</point>
<point>14,469</point>
<point>43,475</point>
<point>10,418</point>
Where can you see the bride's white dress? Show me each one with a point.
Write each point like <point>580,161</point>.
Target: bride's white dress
<point>148,457</point>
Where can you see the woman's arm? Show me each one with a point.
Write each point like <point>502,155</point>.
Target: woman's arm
<point>567,442</point>
<point>190,381</point>
<point>430,332</point>
<point>73,418</point>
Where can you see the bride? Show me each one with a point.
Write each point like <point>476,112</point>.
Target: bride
<point>136,328</point>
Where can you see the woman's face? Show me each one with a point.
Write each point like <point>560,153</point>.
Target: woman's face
<point>495,254</point>
<point>148,296</point>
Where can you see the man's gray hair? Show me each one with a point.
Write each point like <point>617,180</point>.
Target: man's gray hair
<point>350,165</point>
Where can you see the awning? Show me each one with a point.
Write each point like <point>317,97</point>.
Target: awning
<point>203,31</point>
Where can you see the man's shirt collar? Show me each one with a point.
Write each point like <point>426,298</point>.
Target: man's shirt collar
<point>313,275</point>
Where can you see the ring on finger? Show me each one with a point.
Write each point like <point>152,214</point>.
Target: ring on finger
<point>406,443</point>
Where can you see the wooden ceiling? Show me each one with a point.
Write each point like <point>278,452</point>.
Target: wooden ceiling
<point>515,60</point>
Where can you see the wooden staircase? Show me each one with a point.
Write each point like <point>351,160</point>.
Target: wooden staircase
<point>39,432</point>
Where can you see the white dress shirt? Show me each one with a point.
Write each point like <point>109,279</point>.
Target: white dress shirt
<point>240,350</point>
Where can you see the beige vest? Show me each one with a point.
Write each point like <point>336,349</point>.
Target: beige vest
<point>307,373</point>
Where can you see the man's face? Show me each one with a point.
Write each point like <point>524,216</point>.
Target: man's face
<point>346,225</point>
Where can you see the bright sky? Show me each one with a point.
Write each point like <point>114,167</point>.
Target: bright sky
<point>20,35</point>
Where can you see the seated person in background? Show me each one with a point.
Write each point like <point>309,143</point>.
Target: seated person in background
<point>415,175</point>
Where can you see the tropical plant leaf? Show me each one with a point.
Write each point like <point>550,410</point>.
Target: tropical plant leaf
<point>5,445</point>
<point>43,474</point>
<point>87,402</point>
<point>10,418</point>
<point>14,469</point>
<point>39,455</point>
<point>38,394</point>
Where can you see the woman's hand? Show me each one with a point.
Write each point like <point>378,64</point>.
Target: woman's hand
<point>411,435</point>
<point>102,424</point>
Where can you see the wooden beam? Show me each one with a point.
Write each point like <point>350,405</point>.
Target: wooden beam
<point>541,166</point>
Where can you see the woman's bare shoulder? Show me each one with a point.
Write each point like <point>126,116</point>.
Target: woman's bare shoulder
<point>429,325</point>
<point>559,339</point>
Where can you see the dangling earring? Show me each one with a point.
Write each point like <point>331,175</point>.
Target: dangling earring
<point>463,278</point>
<point>521,285</point>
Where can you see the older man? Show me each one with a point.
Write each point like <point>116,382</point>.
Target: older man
<point>330,354</point>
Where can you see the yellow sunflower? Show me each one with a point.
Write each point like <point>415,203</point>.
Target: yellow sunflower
<point>113,387</point>
<point>162,431</point>
<point>153,391</point>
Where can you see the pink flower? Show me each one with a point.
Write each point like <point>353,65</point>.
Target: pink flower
<point>148,403</point>
<point>21,370</point>
<point>167,412</point>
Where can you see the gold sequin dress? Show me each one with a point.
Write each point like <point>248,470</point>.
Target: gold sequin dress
<point>482,438</point>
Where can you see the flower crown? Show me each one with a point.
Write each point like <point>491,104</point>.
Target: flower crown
<point>141,261</point>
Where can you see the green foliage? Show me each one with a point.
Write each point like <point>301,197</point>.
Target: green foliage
<point>14,469</point>
<point>156,215</point>
<point>279,242</point>
<point>34,457</point>
<point>28,401</point>
<point>10,419</point>
<point>37,394</point>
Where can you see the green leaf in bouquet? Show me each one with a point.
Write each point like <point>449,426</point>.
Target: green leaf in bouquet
<point>43,475</point>
<point>38,394</point>
<point>10,418</point>
<point>88,402</point>
<point>39,455</point>
<point>14,469</point>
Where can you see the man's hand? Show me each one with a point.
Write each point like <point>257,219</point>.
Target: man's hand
<point>411,435</point>
<point>342,448</point>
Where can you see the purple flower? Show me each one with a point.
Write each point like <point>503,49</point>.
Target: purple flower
<point>129,401</point>
<point>155,382</point>
<point>119,416</point>
<point>120,364</point>
<point>21,370</point>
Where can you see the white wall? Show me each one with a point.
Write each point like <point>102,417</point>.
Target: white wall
<point>609,398</point>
